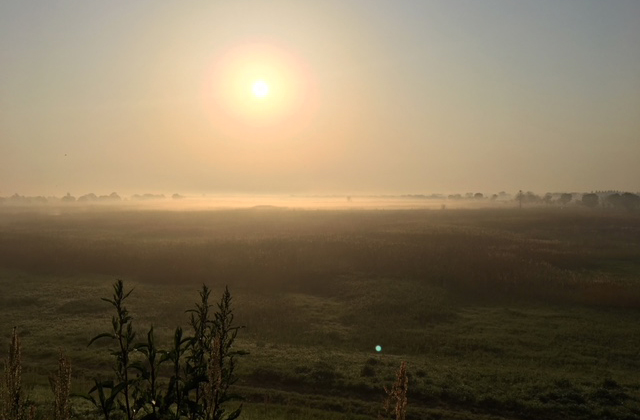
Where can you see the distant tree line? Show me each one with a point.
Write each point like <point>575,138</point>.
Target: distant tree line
<point>21,200</point>
<point>626,201</point>
<point>605,199</point>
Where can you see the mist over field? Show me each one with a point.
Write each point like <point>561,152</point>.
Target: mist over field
<point>228,201</point>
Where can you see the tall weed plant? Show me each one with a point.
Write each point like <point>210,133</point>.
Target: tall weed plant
<point>395,404</point>
<point>200,367</point>
<point>14,404</point>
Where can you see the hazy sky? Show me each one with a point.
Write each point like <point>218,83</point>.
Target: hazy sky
<point>365,96</point>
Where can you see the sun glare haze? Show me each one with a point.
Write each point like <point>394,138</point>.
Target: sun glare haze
<point>319,97</point>
<point>241,104</point>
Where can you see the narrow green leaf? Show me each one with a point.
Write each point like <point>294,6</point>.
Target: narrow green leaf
<point>99,336</point>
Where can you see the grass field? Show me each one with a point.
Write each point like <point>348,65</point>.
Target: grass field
<point>499,313</point>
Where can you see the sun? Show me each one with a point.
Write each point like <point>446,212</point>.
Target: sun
<point>260,88</point>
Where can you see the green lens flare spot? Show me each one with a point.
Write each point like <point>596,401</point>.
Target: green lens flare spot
<point>378,349</point>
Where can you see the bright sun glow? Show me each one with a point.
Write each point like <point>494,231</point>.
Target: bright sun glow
<point>259,91</point>
<point>260,88</point>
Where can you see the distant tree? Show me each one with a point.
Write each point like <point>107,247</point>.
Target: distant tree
<point>565,198</point>
<point>520,197</point>
<point>177,196</point>
<point>630,201</point>
<point>478,196</point>
<point>111,197</point>
<point>590,200</point>
<point>494,197</point>
<point>68,198</point>
<point>528,197</point>
<point>88,197</point>
<point>18,199</point>
<point>531,197</point>
<point>548,197</point>
<point>613,200</point>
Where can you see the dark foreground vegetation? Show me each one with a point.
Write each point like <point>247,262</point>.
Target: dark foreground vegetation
<point>499,313</point>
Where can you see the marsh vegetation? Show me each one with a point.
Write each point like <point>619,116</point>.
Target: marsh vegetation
<point>498,313</point>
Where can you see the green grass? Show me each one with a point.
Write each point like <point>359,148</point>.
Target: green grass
<point>499,313</point>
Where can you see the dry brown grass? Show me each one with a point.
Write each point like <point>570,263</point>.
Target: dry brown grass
<point>61,387</point>
<point>13,403</point>
<point>396,401</point>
